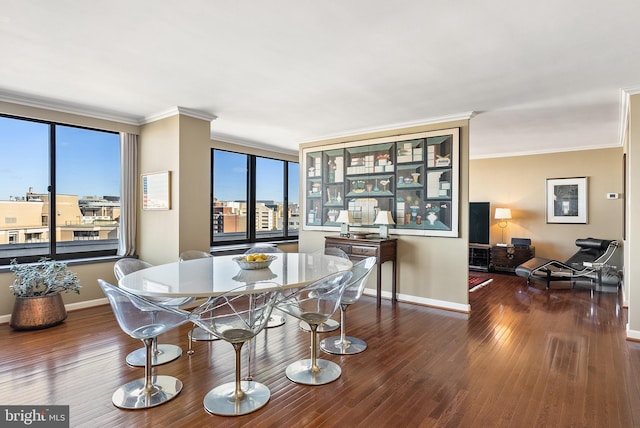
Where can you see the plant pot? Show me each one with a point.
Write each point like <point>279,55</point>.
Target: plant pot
<point>33,313</point>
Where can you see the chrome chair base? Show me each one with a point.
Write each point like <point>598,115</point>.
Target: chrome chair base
<point>334,345</point>
<point>166,353</point>
<point>328,325</point>
<point>222,401</point>
<point>300,372</point>
<point>133,395</point>
<point>275,321</point>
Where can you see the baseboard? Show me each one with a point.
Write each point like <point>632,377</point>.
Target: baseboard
<point>5,319</point>
<point>433,303</point>
<point>633,335</point>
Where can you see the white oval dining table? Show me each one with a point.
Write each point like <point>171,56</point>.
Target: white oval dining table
<point>212,276</point>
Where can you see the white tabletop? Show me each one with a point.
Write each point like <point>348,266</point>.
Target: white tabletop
<point>213,276</point>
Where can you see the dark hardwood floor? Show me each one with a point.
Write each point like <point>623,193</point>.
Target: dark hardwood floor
<point>521,359</point>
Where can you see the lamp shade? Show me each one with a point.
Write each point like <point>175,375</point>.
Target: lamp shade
<point>344,217</point>
<point>503,213</point>
<point>384,217</point>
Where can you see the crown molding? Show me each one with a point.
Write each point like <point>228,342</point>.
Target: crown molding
<point>177,110</point>
<point>538,152</point>
<point>394,126</point>
<point>625,93</point>
<point>62,107</point>
<point>226,138</point>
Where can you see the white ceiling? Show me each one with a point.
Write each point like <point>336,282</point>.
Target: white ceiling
<point>540,76</point>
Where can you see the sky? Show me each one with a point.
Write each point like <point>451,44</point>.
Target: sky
<point>87,162</point>
<point>230,178</point>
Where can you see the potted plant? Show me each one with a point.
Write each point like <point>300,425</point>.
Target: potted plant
<point>38,287</point>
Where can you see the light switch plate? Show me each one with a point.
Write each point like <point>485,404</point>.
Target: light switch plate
<point>612,196</point>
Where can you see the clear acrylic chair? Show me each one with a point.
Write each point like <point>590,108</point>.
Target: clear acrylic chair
<point>315,303</point>
<point>330,324</point>
<point>274,320</point>
<point>193,254</point>
<point>196,334</point>
<point>343,344</point>
<point>134,317</point>
<point>163,353</point>
<point>237,317</point>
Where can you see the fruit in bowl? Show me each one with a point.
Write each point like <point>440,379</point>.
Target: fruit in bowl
<point>254,261</point>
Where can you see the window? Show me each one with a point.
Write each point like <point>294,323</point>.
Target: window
<point>266,188</point>
<point>60,186</point>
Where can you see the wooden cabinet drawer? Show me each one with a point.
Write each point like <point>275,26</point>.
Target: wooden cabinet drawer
<point>345,248</point>
<point>359,250</point>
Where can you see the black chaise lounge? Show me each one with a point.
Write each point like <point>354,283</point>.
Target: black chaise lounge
<point>589,262</point>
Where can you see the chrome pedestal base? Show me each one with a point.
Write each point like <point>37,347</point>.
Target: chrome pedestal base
<point>275,321</point>
<point>222,400</point>
<point>301,372</point>
<point>133,395</point>
<point>351,345</point>
<point>328,325</point>
<point>166,353</point>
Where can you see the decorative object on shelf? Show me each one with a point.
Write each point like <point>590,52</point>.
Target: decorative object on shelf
<point>415,176</point>
<point>408,180</point>
<point>38,287</point>
<point>345,218</point>
<point>384,184</point>
<point>332,170</point>
<point>502,215</point>
<point>384,219</point>
<point>338,198</point>
<point>432,213</point>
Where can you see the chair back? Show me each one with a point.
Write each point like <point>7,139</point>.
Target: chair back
<point>193,254</point>
<point>239,314</point>
<point>316,302</point>
<point>128,265</point>
<point>263,249</point>
<point>354,288</point>
<point>333,251</point>
<point>135,317</point>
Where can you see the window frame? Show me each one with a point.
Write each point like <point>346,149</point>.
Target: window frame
<point>52,244</point>
<point>251,235</point>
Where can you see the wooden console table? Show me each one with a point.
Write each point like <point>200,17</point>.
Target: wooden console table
<point>360,248</point>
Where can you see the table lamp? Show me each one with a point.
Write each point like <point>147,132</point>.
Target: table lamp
<point>502,215</point>
<point>384,219</point>
<point>345,218</point>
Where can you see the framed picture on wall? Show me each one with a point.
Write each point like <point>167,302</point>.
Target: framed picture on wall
<point>156,191</point>
<point>567,200</point>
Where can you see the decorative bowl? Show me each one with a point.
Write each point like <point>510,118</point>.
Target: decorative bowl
<point>254,275</point>
<point>254,265</point>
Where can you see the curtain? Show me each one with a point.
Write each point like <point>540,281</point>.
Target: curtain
<point>128,194</point>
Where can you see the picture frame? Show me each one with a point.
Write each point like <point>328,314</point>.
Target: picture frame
<point>567,200</point>
<point>156,191</point>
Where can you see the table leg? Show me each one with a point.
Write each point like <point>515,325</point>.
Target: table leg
<point>393,282</point>
<point>379,286</point>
